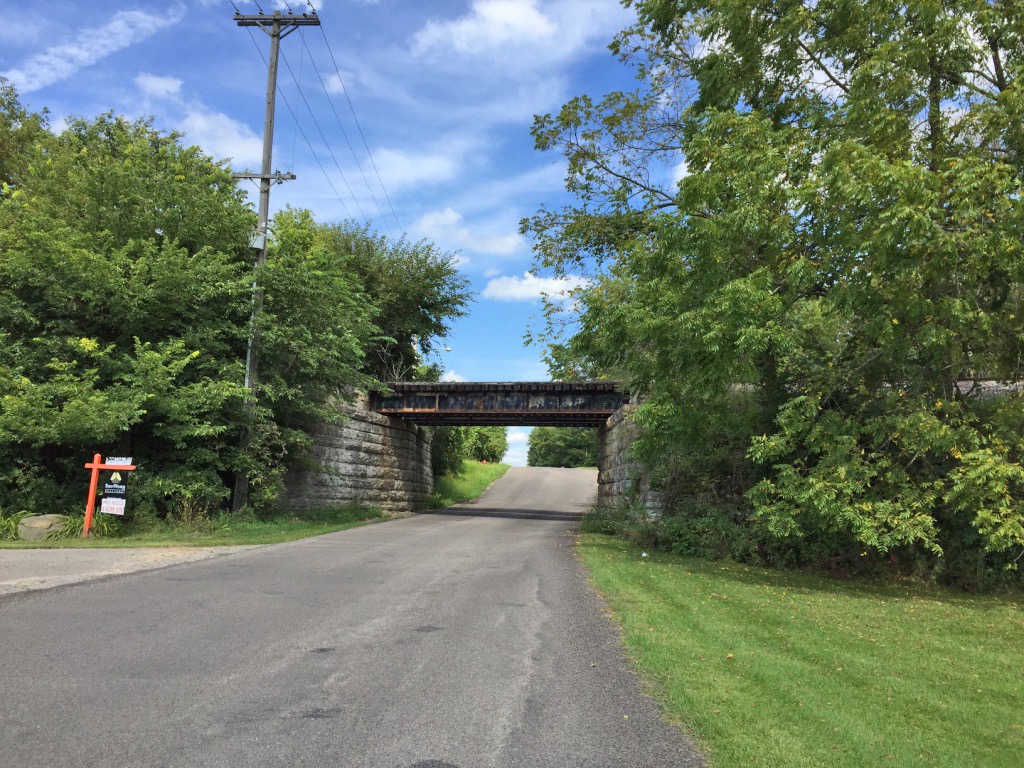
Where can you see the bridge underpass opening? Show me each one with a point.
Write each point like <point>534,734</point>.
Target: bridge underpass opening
<point>503,404</point>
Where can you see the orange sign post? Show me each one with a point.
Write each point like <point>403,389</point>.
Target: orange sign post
<point>96,465</point>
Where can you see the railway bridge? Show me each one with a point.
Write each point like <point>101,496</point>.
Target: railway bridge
<point>379,453</point>
<point>507,404</point>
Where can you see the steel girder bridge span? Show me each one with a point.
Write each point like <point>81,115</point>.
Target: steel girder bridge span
<point>506,404</point>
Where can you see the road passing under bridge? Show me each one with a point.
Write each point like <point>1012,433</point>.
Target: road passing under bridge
<point>466,638</point>
<point>515,403</point>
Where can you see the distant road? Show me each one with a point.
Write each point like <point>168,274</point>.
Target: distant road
<point>466,637</point>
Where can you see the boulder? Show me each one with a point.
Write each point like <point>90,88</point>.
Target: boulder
<point>38,527</point>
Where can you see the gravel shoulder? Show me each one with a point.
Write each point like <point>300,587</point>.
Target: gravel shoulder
<point>25,570</point>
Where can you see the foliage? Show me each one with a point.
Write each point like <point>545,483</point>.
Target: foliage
<point>245,527</point>
<point>562,447</point>
<point>20,131</point>
<point>134,348</point>
<point>9,524</point>
<point>415,289</point>
<point>468,483</point>
<point>487,443</point>
<point>781,668</point>
<point>843,243</point>
<point>448,450</point>
<point>125,299</point>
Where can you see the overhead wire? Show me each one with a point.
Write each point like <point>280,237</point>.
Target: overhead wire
<point>295,136</point>
<point>345,134</point>
<point>300,131</point>
<point>309,144</point>
<point>355,118</point>
<point>330,151</point>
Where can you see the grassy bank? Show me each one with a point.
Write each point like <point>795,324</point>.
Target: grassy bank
<point>773,668</point>
<point>221,530</point>
<point>468,485</point>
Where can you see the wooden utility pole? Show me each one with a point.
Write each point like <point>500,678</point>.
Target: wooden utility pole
<point>278,25</point>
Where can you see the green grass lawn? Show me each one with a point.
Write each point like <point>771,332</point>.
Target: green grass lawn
<point>218,531</point>
<point>771,668</point>
<point>227,529</point>
<point>476,477</point>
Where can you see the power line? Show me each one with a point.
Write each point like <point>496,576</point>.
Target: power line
<point>348,213</point>
<point>322,136</point>
<point>345,134</point>
<point>295,136</point>
<point>359,127</point>
<point>337,117</point>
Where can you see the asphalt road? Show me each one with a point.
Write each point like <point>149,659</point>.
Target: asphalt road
<point>465,638</point>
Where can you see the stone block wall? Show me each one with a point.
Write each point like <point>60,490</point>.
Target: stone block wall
<point>620,479</point>
<point>366,459</point>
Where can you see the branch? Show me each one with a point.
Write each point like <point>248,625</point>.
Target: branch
<point>822,67</point>
<point>622,177</point>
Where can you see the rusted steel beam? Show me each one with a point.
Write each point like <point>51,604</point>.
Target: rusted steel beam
<point>512,403</point>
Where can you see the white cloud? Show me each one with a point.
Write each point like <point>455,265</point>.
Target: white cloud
<point>222,136</point>
<point>338,83</point>
<point>518,35</point>
<point>157,86</point>
<point>59,62</point>
<point>518,444</point>
<point>400,169</point>
<point>518,436</point>
<point>446,226</point>
<point>680,172</point>
<point>530,287</point>
<point>452,376</point>
<point>489,24</point>
<point>58,125</point>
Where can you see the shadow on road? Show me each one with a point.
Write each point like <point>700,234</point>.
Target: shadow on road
<point>511,514</point>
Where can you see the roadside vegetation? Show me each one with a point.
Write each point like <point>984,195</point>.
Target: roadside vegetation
<point>125,295</point>
<point>801,244</point>
<point>562,447</point>
<point>193,525</point>
<point>472,481</point>
<point>775,668</point>
<point>203,531</point>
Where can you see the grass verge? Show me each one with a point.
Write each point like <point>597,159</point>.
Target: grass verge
<point>773,668</point>
<point>474,479</point>
<point>223,530</point>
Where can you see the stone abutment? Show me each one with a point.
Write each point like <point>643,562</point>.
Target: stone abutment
<point>365,459</point>
<point>621,479</point>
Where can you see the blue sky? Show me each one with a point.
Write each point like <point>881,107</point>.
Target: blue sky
<point>444,91</point>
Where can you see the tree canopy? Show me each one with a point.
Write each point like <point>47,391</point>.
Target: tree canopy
<point>487,443</point>
<point>562,447</point>
<point>804,233</point>
<point>125,294</point>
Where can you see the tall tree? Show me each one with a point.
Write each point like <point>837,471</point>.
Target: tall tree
<point>121,327</point>
<point>844,242</point>
<point>487,443</point>
<point>125,292</point>
<point>562,447</point>
<point>416,288</point>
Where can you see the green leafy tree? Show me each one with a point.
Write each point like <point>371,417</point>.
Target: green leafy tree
<point>448,450</point>
<point>415,289</point>
<point>120,330</point>
<point>844,243</point>
<point>21,132</point>
<point>124,305</point>
<point>562,447</point>
<point>487,443</point>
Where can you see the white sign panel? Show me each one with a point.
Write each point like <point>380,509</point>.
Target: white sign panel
<point>112,506</point>
<point>120,460</point>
